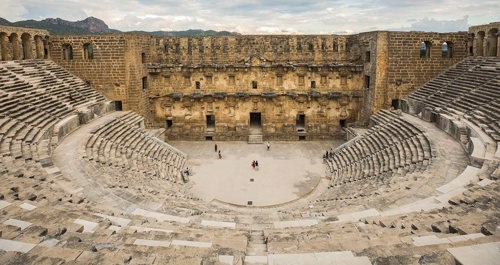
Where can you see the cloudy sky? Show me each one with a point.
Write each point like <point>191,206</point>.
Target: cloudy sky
<point>265,16</point>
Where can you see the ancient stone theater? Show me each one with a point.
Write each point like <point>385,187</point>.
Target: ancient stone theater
<point>380,147</point>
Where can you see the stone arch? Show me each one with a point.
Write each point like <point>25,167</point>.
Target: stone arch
<point>4,47</point>
<point>470,44</point>
<point>14,43</point>
<point>479,43</point>
<point>38,47</point>
<point>88,51</point>
<point>67,52</point>
<point>425,49</point>
<point>492,43</point>
<point>27,46</point>
<point>447,49</point>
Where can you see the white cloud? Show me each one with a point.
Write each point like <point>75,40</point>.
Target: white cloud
<point>13,10</point>
<point>430,24</point>
<point>263,16</point>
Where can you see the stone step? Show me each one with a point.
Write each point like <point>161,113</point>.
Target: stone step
<point>256,244</point>
<point>255,139</point>
<point>254,249</point>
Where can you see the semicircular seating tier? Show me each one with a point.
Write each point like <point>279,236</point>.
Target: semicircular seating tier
<point>51,217</point>
<point>468,90</point>
<point>391,147</point>
<point>122,143</point>
<point>41,102</point>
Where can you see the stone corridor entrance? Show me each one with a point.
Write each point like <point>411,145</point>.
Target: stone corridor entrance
<point>210,123</point>
<point>255,123</point>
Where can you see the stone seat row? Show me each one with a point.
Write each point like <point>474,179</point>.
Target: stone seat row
<point>474,93</point>
<point>50,79</point>
<point>385,148</point>
<point>122,143</point>
<point>28,115</point>
<point>462,77</point>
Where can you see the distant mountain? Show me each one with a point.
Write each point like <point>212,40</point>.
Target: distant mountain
<point>5,22</point>
<point>92,26</point>
<point>58,26</point>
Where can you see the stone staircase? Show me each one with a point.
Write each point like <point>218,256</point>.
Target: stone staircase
<point>256,253</point>
<point>255,139</point>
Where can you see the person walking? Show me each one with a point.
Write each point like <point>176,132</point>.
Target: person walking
<point>220,156</point>
<point>268,145</point>
<point>215,147</point>
<point>253,164</point>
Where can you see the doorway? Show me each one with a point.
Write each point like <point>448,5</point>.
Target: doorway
<point>118,105</point>
<point>210,122</point>
<point>395,104</point>
<point>255,121</point>
<point>342,123</point>
<point>170,123</point>
<point>300,122</point>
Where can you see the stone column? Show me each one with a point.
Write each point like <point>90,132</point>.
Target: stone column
<point>498,44</point>
<point>479,45</point>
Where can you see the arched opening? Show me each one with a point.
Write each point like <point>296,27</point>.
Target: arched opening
<point>310,47</point>
<point>299,47</point>
<point>447,49</point>
<point>38,47</point>
<point>27,46</point>
<point>88,51</point>
<point>4,46</point>
<point>470,44</point>
<point>492,43</point>
<point>14,43</point>
<point>67,52</point>
<point>425,49</point>
<point>479,43</point>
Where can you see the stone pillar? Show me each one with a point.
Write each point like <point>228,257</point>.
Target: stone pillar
<point>479,45</point>
<point>4,47</point>
<point>15,46</point>
<point>38,47</point>
<point>498,44</point>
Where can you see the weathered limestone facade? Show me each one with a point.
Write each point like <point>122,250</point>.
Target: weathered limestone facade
<point>110,63</point>
<point>281,87</point>
<point>397,65</point>
<point>22,43</point>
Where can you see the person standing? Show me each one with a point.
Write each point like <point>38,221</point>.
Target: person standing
<point>268,145</point>
<point>220,156</point>
<point>253,164</point>
<point>215,147</point>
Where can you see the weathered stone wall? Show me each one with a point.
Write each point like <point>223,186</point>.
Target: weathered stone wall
<point>138,53</point>
<point>399,67</point>
<point>175,82</point>
<point>23,43</point>
<point>105,69</point>
<point>279,77</point>
<point>237,49</point>
<point>281,94</point>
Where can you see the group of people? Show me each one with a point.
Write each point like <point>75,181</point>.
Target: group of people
<point>328,155</point>
<point>255,164</point>
<point>218,152</point>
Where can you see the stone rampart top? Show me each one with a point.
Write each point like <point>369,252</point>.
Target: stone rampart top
<point>20,31</point>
